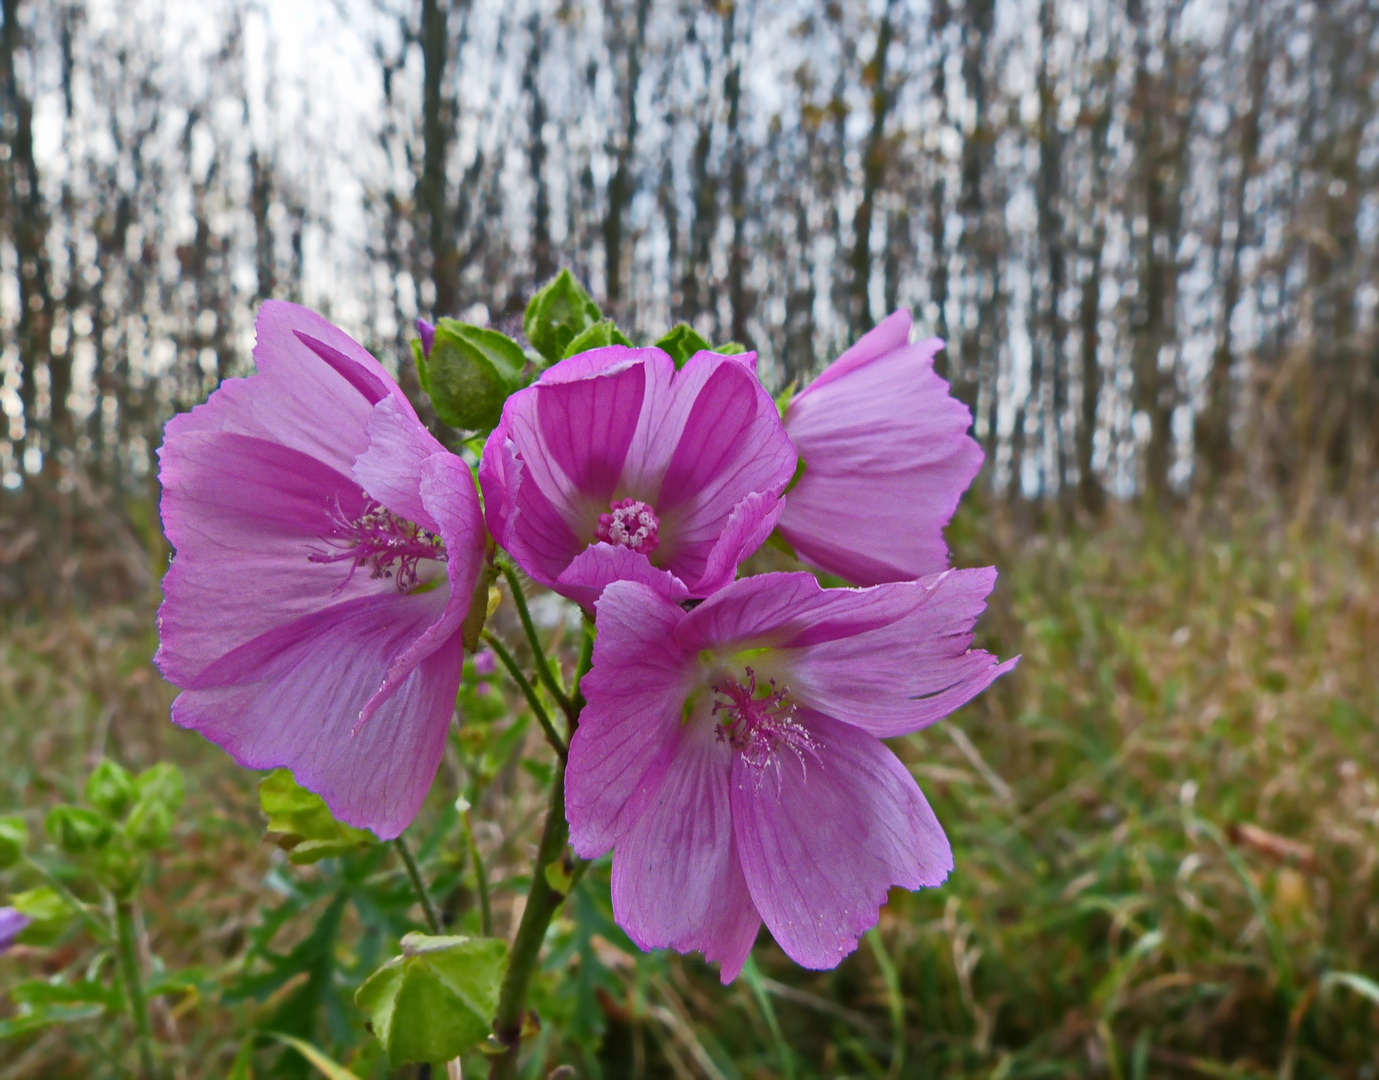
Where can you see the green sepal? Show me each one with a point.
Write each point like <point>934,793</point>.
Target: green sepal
<point>471,630</point>
<point>797,477</point>
<point>730,348</point>
<point>785,397</point>
<point>436,1000</point>
<point>48,913</point>
<point>557,314</point>
<point>14,840</point>
<point>598,336</point>
<point>681,343</point>
<point>119,867</point>
<point>110,788</point>
<point>158,795</point>
<point>301,824</point>
<point>76,830</point>
<point>469,373</point>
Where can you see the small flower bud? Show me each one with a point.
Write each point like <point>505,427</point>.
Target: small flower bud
<point>75,829</point>
<point>110,788</point>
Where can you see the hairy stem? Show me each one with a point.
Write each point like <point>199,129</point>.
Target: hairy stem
<point>528,691</point>
<point>544,671</point>
<point>433,922</point>
<point>542,902</point>
<point>480,877</point>
<point>134,985</point>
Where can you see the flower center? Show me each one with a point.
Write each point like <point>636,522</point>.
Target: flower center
<point>631,523</point>
<point>757,725</point>
<point>389,545</point>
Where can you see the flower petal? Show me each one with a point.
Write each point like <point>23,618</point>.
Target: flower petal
<point>746,529</point>
<point>635,691</point>
<point>389,469</point>
<point>677,882</point>
<point>299,708</point>
<point>887,457</point>
<point>822,844</point>
<point>599,565</point>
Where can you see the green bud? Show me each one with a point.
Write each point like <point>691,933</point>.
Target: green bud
<point>469,373</point>
<point>119,867</point>
<point>110,788</point>
<point>436,1000</point>
<point>75,829</point>
<point>158,795</point>
<point>598,336</point>
<point>14,840</point>
<point>558,313</point>
<point>161,783</point>
<point>681,343</point>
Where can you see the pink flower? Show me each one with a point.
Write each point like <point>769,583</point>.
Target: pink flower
<point>616,466</point>
<point>12,924</point>
<point>327,550</point>
<point>886,458</point>
<point>732,756</point>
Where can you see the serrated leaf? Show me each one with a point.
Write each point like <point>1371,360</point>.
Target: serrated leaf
<point>469,372</point>
<point>598,336</point>
<point>437,999</point>
<point>300,823</point>
<point>558,313</point>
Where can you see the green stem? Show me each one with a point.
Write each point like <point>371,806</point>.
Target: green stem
<point>97,928</point>
<point>134,985</point>
<point>433,922</point>
<point>542,902</point>
<point>480,877</point>
<point>543,666</point>
<point>528,691</point>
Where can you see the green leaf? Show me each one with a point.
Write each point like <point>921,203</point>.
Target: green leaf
<point>558,313</point>
<point>730,348</point>
<point>14,840</point>
<point>110,788</point>
<point>301,824</point>
<point>38,994</point>
<point>437,999</point>
<point>75,829</point>
<point>681,343</point>
<point>1361,984</point>
<point>598,336</point>
<point>327,1067</point>
<point>48,912</point>
<point>42,1018</point>
<point>469,373</point>
<point>243,1067</point>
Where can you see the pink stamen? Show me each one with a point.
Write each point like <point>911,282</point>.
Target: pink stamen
<point>389,545</point>
<point>757,727</point>
<point>631,523</point>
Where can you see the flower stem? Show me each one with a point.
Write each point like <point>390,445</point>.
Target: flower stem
<point>480,877</point>
<point>134,985</point>
<point>528,691</point>
<point>433,922</point>
<point>542,902</point>
<point>543,666</point>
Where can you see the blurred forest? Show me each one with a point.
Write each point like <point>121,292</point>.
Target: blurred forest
<point>1149,230</point>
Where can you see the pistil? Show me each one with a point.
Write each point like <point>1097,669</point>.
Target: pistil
<point>757,725</point>
<point>388,544</point>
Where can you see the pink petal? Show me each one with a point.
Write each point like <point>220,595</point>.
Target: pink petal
<point>389,469</point>
<point>635,691</point>
<point>495,467</point>
<point>907,673</point>
<point>822,844</point>
<point>746,529</point>
<point>447,490</point>
<point>887,457</point>
<point>677,882</point>
<point>599,565</point>
<point>245,515</point>
<point>298,711</point>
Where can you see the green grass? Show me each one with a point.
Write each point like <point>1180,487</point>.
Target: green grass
<point>1165,822</point>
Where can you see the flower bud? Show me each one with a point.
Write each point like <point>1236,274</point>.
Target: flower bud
<point>110,788</point>
<point>468,372</point>
<point>75,829</point>
<point>558,313</point>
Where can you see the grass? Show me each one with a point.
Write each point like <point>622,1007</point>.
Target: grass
<point>1166,829</point>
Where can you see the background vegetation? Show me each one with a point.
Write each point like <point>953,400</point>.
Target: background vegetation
<point>1149,233</point>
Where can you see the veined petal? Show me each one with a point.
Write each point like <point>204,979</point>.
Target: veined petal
<point>390,467</point>
<point>677,882</point>
<point>636,691</point>
<point>300,708</point>
<point>822,843</point>
<point>599,565</point>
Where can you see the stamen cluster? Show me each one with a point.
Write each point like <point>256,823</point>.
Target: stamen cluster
<point>758,726</point>
<point>631,523</point>
<point>388,544</point>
